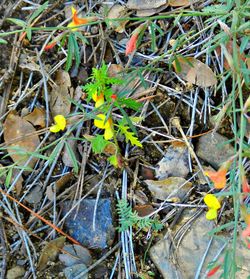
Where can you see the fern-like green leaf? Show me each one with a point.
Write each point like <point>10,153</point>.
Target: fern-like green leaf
<point>129,136</point>
<point>98,144</point>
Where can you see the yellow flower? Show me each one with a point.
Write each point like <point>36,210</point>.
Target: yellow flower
<point>76,21</point>
<point>60,124</point>
<point>99,122</point>
<point>213,205</point>
<point>98,99</point>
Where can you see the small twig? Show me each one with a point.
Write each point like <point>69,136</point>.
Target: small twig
<point>3,247</point>
<point>176,122</point>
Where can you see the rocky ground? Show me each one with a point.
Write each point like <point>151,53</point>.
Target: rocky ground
<point>134,208</point>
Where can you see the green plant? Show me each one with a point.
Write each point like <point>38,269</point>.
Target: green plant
<point>101,92</point>
<point>129,218</point>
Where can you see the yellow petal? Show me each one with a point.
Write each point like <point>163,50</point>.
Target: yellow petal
<point>211,201</point>
<point>73,10</point>
<point>99,102</point>
<point>72,24</point>
<point>60,121</point>
<point>108,134</point>
<point>99,122</point>
<point>94,96</point>
<point>211,214</point>
<point>54,129</point>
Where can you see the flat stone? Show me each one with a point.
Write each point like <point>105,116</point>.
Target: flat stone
<point>184,262</point>
<point>168,188</point>
<point>174,162</point>
<point>16,272</point>
<point>75,254</point>
<point>75,270</point>
<point>79,224</point>
<point>212,149</point>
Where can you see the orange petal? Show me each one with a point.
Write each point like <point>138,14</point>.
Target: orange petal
<point>246,234</point>
<point>213,271</point>
<point>131,45</point>
<point>49,46</point>
<point>217,177</point>
<point>245,185</point>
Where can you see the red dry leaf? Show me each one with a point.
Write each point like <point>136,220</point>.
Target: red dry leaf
<point>213,271</point>
<point>49,46</point>
<point>131,45</point>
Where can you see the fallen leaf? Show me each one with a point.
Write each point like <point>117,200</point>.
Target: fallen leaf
<point>144,210</point>
<point>118,11</point>
<point>35,195</point>
<point>228,61</point>
<point>115,70</point>
<point>179,3</point>
<point>149,12</point>
<point>145,4</point>
<point>194,71</point>
<point>28,64</point>
<point>50,252</point>
<point>60,185</point>
<point>169,188</point>
<point>18,128</point>
<point>70,153</point>
<point>60,94</point>
<point>36,117</point>
<point>75,254</point>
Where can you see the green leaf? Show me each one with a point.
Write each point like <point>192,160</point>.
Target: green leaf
<point>70,53</point>
<point>28,31</point>
<point>153,37</point>
<point>130,103</point>
<point>38,11</point>
<point>76,50</point>
<point>244,43</point>
<point>18,22</point>
<point>8,178</point>
<point>129,136</point>
<point>98,144</point>
<point>2,41</point>
<point>113,160</point>
<point>82,38</point>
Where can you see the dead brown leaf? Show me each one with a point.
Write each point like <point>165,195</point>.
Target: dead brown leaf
<point>179,3</point>
<point>50,252</point>
<point>60,94</point>
<point>145,4</point>
<point>36,117</point>
<point>144,210</point>
<point>115,70</point>
<point>194,71</point>
<point>118,11</point>
<point>18,128</point>
<point>149,12</point>
<point>66,158</point>
<point>228,62</point>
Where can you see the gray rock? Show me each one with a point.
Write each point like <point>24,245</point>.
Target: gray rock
<point>174,162</point>
<point>15,272</point>
<point>184,262</point>
<point>75,270</point>
<point>75,254</point>
<point>79,224</point>
<point>212,149</point>
<point>169,188</point>
<point>35,195</point>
